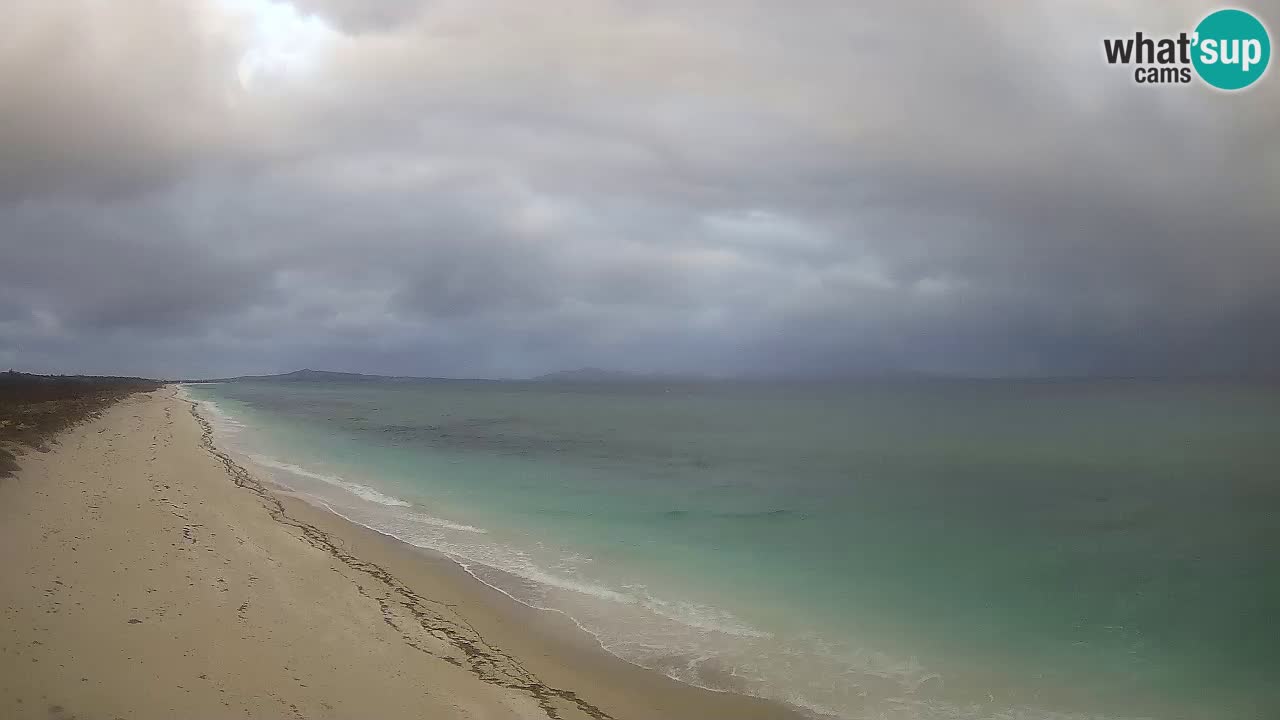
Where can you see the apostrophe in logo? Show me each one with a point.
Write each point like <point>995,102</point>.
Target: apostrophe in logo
<point>1229,50</point>
<point>1232,49</point>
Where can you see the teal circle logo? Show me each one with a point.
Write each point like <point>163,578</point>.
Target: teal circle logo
<point>1232,49</point>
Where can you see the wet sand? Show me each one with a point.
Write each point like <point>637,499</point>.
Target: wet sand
<point>147,575</point>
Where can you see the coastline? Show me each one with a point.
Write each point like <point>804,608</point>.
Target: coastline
<point>397,631</point>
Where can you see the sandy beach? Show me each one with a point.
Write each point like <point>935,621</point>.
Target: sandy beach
<point>147,575</point>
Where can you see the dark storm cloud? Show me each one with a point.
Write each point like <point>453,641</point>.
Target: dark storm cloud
<point>505,188</point>
<point>91,266</point>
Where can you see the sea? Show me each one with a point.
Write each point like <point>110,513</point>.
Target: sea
<point>895,550</point>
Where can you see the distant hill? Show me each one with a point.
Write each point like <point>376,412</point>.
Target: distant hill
<point>309,375</point>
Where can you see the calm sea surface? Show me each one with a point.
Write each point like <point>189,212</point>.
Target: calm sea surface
<point>883,550</point>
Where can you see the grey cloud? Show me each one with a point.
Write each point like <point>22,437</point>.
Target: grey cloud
<point>358,16</point>
<point>86,267</point>
<point>106,99</point>
<point>503,189</point>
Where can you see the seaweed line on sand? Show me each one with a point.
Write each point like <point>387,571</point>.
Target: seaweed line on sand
<point>440,620</point>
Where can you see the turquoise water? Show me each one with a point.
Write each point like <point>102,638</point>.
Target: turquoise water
<point>898,550</point>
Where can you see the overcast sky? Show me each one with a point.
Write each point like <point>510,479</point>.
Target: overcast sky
<point>496,188</point>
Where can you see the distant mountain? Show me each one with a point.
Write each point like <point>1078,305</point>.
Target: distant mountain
<point>309,375</point>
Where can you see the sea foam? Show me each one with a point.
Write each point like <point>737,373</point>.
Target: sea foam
<point>363,492</point>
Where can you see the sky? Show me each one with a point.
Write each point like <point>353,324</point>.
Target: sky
<point>502,188</point>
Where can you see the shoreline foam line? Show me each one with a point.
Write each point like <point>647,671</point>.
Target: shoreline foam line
<point>465,565</point>
<point>364,492</point>
<point>488,663</point>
